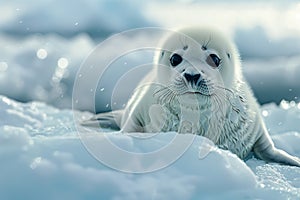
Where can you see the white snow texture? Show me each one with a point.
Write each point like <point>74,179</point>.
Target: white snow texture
<point>42,156</point>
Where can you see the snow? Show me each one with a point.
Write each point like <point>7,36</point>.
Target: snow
<point>45,155</point>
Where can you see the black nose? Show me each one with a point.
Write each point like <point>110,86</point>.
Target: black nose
<point>192,77</point>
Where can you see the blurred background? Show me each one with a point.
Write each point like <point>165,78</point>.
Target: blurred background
<point>44,42</point>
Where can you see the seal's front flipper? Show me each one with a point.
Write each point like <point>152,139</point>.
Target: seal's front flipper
<point>265,150</point>
<point>105,120</point>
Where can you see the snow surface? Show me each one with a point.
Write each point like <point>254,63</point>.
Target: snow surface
<point>42,156</point>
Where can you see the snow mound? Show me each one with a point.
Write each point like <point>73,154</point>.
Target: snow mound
<point>43,157</point>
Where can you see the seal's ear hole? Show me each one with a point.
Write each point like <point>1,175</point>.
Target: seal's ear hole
<point>162,54</point>
<point>228,55</point>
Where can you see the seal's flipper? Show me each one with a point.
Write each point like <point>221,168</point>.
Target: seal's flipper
<point>105,120</point>
<point>265,150</point>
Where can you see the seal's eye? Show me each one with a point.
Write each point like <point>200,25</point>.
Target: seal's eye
<point>213,60</point>
<point>175,59</point>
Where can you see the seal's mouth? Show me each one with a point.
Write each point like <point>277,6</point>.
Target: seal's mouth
<point>193,92</point>
<point>200,89</point>
<point>196,93</point>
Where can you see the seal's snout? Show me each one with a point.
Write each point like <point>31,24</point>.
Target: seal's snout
<point>196,83</point>
<point>192,78</point>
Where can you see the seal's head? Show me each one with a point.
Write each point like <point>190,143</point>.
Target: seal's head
<point>198,61</point>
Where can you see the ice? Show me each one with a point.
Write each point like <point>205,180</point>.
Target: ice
<point>44,43</point>
<point>42,156</point>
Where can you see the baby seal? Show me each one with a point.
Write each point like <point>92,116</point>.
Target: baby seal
<point>196,86</point>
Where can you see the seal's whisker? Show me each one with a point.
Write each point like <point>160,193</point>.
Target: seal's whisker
<point>226,89</point>
<point>166,94</point>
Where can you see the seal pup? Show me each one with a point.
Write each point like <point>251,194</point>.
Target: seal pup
<point>196,86</point>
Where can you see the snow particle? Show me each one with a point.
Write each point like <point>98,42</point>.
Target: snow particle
<point>41,54</point>
<point>63,63</point>
<point>262,185</point>
<point>55,79</point>
<point>265,113</point>
<point>35,162</point>
<point>102,89</point>
<point>59,72</point>
<point>107,105</point>
<point>292,103</point>
<point>3,66</point>
<point>284,104</point>
<point>76,24</point>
